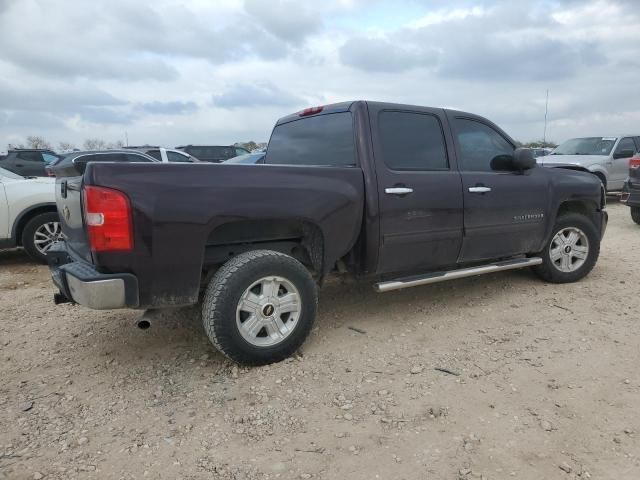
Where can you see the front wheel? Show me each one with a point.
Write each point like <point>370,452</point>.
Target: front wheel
<point>572,251</point>
<point>635,214</point>
<point>259,307</point>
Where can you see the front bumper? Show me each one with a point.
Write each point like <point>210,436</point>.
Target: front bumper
<point>81,283</point>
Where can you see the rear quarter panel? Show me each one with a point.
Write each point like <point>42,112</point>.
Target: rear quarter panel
<point>176,207</point>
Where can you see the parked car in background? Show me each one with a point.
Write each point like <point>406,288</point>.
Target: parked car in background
<point>213,153</point>
<point>605,157</point>
<point>540,152</point>
<point>77,161</point>
<point>399,195</point>
<point>28,214</point>
<point>249,158</point>
<point>28,162</point>
<point>631,191</point>
<point>166,155</point>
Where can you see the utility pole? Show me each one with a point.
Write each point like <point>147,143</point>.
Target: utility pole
<point>126,135</point>
<point>546,110</point>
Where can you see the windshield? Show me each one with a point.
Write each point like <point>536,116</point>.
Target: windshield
<point>586,146</point>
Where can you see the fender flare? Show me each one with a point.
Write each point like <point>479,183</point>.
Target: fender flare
<point>47,206</point>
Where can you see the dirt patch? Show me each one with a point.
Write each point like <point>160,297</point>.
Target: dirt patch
<point>535,381</point>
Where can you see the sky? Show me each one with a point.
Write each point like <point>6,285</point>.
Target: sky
<point>172,72</point>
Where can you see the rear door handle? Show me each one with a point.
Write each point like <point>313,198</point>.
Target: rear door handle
<point>479,189</point>
<point>398,190</point>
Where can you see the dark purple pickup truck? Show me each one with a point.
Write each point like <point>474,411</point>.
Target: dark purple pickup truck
<point>393,194</point>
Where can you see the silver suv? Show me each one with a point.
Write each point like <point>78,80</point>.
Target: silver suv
<point>606,157</point>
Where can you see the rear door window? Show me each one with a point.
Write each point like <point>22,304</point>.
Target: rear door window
<point>155,154</point>
<point>324,140</point>
<point>177,157</point>
<point>30,156</point>
<point>412,141</point>
<point>132,157</point>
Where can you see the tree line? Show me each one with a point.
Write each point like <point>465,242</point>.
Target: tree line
<point>36,141</point>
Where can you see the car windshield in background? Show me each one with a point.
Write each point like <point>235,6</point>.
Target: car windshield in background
<point>49,158</point>
<point>586,146</point>
<point>213,153</point>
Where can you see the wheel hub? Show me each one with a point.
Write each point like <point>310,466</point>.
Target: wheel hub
<point>268,311</point>
<point>569,249</point>
<point>46,235</point>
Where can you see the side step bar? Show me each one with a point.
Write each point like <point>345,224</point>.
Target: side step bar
<point>437,277</point>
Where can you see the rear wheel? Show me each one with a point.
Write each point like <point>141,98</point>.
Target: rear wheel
<point>259,307</point>
<point>39,234</point>
<point>603,180</point>
<point>635,214</point>
<point>572,251</point>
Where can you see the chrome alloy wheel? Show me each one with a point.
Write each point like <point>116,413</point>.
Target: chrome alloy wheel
<point>268,311</point>
<point>569,249</point>
<point>46,235</point>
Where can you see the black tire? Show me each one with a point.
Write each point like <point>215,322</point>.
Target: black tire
<point>635,214</point>
<point>548,270</point>
<point>227,287</point>
<point>603,180</point>
<point>29,232</point>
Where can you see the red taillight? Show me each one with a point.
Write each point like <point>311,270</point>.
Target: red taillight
<point>634,162</point>
<point>107,216</point>
<point>310,111</point>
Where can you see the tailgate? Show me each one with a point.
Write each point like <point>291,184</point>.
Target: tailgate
<point>69,202</point>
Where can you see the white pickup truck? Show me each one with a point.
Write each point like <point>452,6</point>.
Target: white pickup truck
<point>606,157</point>
<point>28,214</point>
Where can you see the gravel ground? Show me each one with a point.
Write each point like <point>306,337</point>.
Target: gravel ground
<point>538,381</point>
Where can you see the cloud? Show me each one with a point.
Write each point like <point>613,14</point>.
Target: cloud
<point>74,69</point>
<point>289,20</point>
<point>256,95</point>
<point>169,108</point>
<point>54,97</point>
<point>32,121</point>
<point>385,55</point>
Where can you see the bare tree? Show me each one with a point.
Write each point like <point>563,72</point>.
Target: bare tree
<point>66,146</point>
<point>35,141</point>
<point>94,144</point>
<point>115,145</point>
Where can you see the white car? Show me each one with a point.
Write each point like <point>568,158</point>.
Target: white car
<point>167,155</point>
<point>28,214</point>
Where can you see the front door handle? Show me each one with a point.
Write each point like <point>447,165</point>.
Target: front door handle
<point>398,190</point>
<point>479,189</point>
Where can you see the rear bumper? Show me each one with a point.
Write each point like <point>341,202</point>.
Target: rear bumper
<point>81,283</point>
